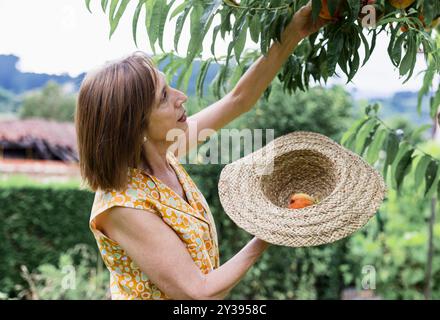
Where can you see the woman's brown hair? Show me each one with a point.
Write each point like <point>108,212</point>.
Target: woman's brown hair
<point>112,112</point>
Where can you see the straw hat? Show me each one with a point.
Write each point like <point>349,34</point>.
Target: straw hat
<point>255,190</point>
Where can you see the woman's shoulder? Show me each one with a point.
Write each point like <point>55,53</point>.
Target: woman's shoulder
<point>138,191</point>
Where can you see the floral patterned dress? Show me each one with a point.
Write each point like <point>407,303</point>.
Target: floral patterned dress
<point>192,221</point>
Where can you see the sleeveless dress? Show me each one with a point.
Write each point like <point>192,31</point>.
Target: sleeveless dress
<point>192,221</point>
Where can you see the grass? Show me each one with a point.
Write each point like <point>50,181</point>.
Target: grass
<point>21,180</point>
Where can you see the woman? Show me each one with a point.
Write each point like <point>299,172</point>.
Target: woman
<point>152,225</point>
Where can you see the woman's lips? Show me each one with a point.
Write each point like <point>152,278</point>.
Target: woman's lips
<point>183,117</point>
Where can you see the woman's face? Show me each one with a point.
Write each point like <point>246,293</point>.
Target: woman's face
<point>167,112</point>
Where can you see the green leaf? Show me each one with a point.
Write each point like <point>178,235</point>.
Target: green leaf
<point>430,174</point>
<point>333,6</point>
<point>178,10</point>
<point>409,60</point>
<point>216,85</point>
<point>392,42</point>
<point>363,134</point>
<point>254,28</point>
<point>343,61</point>
<point>411,70</point>
<point>201,76</point>
<point>200,20</point>
<point>172,68</point>
<point>179,26</point>
<point>316,8</point>
<point>88,5</point>
<point>421,169</point>
<point>214,37</point>
<point>366,46</point>
<point>430,192</point>
<point>159,10</point>
<point>264,42</point>
<point>113,5</point>
<point>162,20</point>
<point>114,18</point>
<point>355,6</point>
<point>196,31</point>
<point>376,108</point>
<point>430,10</point>
<point>240,42</point>
<point>104,4</point>
<point>373,41</point>
<point>151,30</point>
<point>161,57</point>
<point>368,110</point>
<point>416,133</point>
<point>401,163</point>
<point>237,72</point>
<point>376,145</point>
<point>228,54</point>
<point>136,19</point>
<point>354,66</point>
<point>402,168</point>
<point>184,77</point>
<point>280,25</point>
<point>392,148</point>
<point>225,25</point>
<point>397,50</point>
<point>434,104</point>
<point>350,134</point>
<point>427,83</point>
<point>335,46</point>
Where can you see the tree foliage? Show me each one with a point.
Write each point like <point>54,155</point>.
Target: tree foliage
<point>393,151</point>
<point>49,103</point>
<point>338,44</point>
<point>9,102</point>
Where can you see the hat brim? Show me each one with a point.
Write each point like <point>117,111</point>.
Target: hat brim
<point>355,197</point>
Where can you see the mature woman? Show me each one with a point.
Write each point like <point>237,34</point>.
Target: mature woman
<point>152,225</point>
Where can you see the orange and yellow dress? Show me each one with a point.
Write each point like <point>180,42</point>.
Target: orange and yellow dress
<point>192,221</point>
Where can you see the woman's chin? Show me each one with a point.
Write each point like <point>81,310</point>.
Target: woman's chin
<point>181,124</point>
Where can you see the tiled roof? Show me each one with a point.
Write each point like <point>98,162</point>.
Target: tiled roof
<point>55,133</point>
<point>48,136</point>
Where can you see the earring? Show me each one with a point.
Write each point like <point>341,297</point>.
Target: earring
<point>145,139</point>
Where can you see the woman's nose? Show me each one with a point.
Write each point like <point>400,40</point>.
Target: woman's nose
<point>182,98</point>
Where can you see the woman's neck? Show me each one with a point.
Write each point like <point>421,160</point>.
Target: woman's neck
<point>154,158</point>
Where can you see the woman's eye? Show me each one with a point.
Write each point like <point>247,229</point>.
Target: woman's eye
<point>164,97</point>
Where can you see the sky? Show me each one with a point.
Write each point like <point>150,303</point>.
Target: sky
<point>56,37</point>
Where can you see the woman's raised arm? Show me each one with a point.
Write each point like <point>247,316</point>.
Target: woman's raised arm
<point>254,81</point>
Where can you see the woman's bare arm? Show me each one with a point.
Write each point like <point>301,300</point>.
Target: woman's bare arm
<point>241,98</point>
<point>251,85</point>
<point>164,258</point>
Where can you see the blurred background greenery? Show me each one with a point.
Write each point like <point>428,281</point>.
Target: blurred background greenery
<point>45,230</point>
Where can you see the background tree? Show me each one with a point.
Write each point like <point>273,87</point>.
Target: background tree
<point>50,103</point>
<point>9,102</point>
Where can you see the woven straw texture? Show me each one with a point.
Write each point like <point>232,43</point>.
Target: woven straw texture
<point>255,190</point>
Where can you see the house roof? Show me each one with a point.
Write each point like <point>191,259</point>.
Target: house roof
<point>47,136</point>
